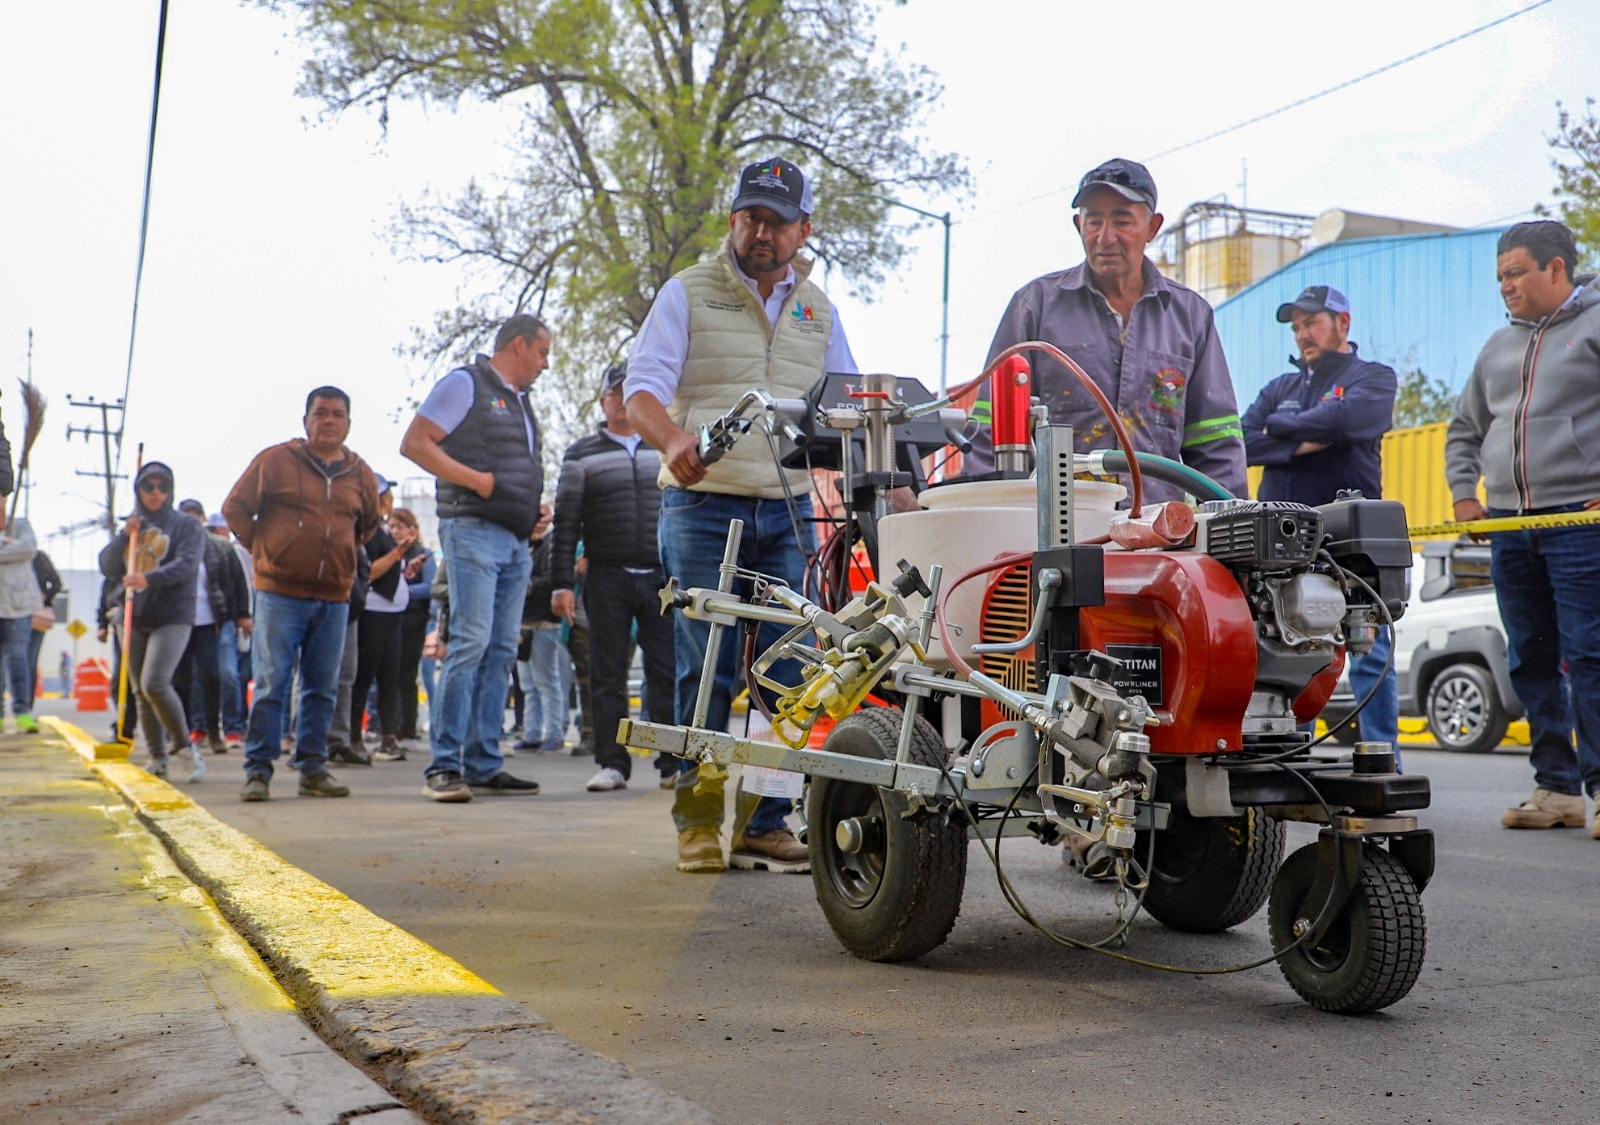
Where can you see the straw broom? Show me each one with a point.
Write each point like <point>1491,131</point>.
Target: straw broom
<point>127,609</point>
<point>33,423</point>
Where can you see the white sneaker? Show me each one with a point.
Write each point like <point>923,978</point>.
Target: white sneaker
<point>607,780</point>
<point>197,764</point>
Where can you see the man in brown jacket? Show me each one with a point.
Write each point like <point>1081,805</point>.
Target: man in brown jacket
<point>303,508</point>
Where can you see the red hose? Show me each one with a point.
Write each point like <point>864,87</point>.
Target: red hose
<point>1124,442</point>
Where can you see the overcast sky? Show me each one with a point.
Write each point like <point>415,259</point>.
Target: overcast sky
<point>268,270</point>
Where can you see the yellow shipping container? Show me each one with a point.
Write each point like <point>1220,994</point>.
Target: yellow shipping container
<point>1413,473</point>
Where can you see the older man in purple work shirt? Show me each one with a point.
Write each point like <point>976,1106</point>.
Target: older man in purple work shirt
<point>748,317</point>
<point>1148,342</point>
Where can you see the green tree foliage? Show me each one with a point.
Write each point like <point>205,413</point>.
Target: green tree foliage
<point>1420,400</point>
<point>1577,164</point>
<point>635,116</point>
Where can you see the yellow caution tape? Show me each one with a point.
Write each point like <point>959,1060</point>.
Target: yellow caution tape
<point>1508,523</point>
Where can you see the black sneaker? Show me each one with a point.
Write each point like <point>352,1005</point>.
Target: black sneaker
<point>503,783</point>
<point>345,753</point>
<point>322,785</point>
<point>446,786</point>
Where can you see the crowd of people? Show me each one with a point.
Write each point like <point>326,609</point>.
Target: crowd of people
<point>327,602</point>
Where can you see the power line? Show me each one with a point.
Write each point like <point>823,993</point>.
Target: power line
<point>1350,81</point>
<point>1301,101</point>
<point>144,214</point>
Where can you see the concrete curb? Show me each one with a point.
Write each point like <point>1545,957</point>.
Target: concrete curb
<point>437,1036</point>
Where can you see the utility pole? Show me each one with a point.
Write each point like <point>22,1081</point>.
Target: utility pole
<point>105,433</point>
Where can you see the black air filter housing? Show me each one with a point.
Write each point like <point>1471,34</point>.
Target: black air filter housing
<point>1369,538</point>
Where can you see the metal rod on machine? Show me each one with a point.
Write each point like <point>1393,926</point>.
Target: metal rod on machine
<point>879,392</point>
<point>725,579</point>
<point>908,721</point>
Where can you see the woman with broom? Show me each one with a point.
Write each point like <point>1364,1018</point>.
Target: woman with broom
<point>165,566</point>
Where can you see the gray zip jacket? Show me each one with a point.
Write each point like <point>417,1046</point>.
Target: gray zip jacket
<point>1528,420</point>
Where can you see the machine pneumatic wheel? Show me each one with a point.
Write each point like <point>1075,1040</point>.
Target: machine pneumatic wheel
<point>1371,954</point>
<point>1211,873</point>
<point>1464,711</point>
<point>889,887</point>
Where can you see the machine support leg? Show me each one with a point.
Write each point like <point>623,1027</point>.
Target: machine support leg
<point>902,753</point>
<point>1326,896</point>
<point>725,579</point>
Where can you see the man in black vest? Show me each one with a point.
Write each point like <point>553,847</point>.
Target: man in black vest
<point>475,432</point>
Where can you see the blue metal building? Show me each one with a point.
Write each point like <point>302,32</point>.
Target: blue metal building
<point>1417,301</point>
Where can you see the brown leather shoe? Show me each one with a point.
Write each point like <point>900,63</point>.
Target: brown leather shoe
<point>775,851</point>
<point>700,850</point>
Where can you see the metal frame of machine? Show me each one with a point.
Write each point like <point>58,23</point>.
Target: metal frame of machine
<point>1181,757</point>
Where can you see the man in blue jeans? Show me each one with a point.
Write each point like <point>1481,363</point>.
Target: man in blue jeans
<point>748,317</point>
<point>475,432</point>
<point>1319,431</point>
<point>302,508</point>
<point>1528,424</point>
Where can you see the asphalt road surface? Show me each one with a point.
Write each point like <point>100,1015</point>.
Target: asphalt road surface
<point>731,989</point>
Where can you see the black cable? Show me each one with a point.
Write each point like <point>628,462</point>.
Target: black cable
<point>144,220</point>
<point>1015,901</point>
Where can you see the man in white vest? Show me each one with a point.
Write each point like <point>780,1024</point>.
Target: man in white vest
<point>747,317</point>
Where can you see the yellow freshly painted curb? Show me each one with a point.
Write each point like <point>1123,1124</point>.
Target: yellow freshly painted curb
<point>312,934</point>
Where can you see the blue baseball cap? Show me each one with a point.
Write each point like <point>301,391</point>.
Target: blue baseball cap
<point>1315,299</point>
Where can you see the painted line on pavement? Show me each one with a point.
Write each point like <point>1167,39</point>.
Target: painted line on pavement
<point>438,1035</point>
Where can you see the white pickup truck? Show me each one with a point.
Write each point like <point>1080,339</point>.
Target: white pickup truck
<point>1449,654</point>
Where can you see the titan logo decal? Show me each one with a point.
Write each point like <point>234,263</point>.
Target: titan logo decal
<point>1140,673</point>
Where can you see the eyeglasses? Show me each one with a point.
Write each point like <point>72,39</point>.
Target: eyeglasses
<point>156,486</point>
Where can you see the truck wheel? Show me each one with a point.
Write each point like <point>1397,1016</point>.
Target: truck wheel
<point>1371,954</point>
<point>1211,873</point>
<point>891,889</point>
<point>1464,711</point>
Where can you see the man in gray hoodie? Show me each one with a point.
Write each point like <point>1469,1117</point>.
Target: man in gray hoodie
<point>1528,423</point>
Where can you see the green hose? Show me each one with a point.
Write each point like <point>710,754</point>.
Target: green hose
<point>1168,471</point>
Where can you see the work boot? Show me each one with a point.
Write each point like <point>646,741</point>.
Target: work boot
<point>772,851</point>
<point>255,789</point>
<point>215,742</point>
<point>1547,810</point>
<point>1594,829</point>
<point>700,850</point>
<point>322,785</point>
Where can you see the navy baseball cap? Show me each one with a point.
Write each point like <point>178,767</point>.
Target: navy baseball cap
<point>776,185</point>
<point>1315,299</point>
<point>1128,178</point>
<point>613,378</point>
<point>193,507</point>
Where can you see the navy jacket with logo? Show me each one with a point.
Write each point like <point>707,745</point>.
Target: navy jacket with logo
<point>1345,403</point>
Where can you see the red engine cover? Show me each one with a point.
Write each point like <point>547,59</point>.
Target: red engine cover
<point>1183,610</point>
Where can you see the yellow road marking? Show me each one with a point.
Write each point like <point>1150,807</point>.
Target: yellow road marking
<point>313,936</point>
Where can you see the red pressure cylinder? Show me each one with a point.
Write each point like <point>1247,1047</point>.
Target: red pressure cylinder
<point>1010,393</point>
